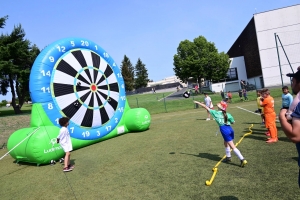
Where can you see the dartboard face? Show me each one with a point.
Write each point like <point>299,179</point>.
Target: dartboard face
<point>76,78</point>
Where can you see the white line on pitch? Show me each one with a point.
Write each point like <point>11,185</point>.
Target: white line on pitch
<point>247,110</point>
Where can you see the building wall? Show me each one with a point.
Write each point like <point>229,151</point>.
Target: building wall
<point>286,23</point>
<point>246,45</point>
<point>239,63</point>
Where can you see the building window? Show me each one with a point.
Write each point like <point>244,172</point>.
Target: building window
<point>232,75</point>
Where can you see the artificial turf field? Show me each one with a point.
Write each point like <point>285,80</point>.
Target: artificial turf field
<point>171,160</point>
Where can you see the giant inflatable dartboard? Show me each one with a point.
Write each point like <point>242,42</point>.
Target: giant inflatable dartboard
<point>76,78</point>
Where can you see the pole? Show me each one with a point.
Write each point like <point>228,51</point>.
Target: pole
<point>137,102</point>
<point>278,60</point>
<point>165,102</point>
<point>285,53</point>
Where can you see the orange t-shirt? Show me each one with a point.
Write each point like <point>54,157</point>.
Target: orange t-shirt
<point>268,105</point>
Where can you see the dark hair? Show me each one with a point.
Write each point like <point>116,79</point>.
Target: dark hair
<point>205,93</point>
<point>63,121</point>
<point>265,91</point>
<point>225,116</point>
<point>285,87</point>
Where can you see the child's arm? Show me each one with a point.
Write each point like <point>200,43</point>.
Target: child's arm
<point>59,136</point>
<point>261,102</point>
<point>292,131</point>
<point>203,105</point>
<point>291,100</point>
<point>230,118</point>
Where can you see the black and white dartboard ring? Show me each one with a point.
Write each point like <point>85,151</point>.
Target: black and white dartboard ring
<point>76,78</point>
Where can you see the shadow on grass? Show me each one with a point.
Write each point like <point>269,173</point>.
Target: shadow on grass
<point>250,123</point>
<point>228,198</point>
<point>12,113</point>
<point>257,137</point>
<point>202,119</point>
<point>295,158</point>
<point>209,156</point>
<point>284,139</point>
<point>213,157</point>
<point>13,172</point>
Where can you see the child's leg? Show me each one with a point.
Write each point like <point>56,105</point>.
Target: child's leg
<point>271,125</point>
<point>227,149</point>
<point>67,159</point>
<point>208,114</point>
<point>235,150</point>
<point>262,118</point>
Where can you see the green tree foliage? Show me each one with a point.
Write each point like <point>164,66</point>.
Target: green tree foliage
<point>200,59</point>
<point>16,59</point>
<point>2,21</point>
<point>141,75</point>
<point>127,71</point>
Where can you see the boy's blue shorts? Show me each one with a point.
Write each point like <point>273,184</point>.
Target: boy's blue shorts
<point>227,133</point>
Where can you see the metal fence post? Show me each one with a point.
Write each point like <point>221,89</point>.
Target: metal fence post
<point>165,102</point>
<point>137,102</point>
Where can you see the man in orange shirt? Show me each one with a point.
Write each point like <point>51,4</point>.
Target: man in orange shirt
<point>270,116</point>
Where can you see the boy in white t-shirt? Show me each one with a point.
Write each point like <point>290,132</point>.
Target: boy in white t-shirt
<point>209,104</point>
<point>65,142</point>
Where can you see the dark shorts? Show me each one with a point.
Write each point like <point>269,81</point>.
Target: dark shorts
<point>259,110</point>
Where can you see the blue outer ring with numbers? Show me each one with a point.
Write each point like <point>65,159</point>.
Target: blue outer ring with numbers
<point>45,72</point>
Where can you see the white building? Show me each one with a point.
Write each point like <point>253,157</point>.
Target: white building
<point>167,80</point>
<point>258,57</point>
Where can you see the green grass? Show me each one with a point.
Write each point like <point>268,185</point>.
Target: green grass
<point>171,160</point>
<point>155,103</point>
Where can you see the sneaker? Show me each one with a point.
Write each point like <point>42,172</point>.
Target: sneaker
<point>267,133</point>
<point>263,123</point>
<point>207,119</point>
<point>71,166</point>
<point>67,169</point>
<point>243,162</point>
<point>272,140</point>
<point>228,159</point>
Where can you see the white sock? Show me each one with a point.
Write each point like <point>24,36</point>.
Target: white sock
<point>227,151</point>
<point>238,153</point>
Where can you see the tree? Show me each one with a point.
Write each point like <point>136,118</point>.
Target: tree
<point>200,59</point>
<point>2,21</point>
<point>127,71</point>
<point>141,75</point>
<point>16,59</point>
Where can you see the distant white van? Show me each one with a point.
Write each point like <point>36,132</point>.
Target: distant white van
<point>8,105</point>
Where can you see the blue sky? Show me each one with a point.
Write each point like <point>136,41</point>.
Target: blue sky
<point>149,30</point>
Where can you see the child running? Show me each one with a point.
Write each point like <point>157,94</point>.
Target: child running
<point>65,142</point>
<point>224,120</point>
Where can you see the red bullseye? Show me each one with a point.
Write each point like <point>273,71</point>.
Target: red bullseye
<point>93,88</point>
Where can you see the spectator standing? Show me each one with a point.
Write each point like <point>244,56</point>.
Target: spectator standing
<point>243,85</point>
<point>229,95</point>
<point>209,104</point>
<point>241,95</point>
<point>287,100</point>
<point>291,130</point>
<point>245,94</point>
<point>197,89</point>
<point>270,116</point>
<point>260,109</point>
<point>222,94</point>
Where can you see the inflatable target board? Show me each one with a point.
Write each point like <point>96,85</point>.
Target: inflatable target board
<point>74,78</point>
